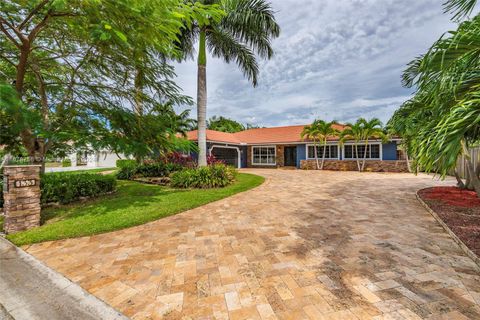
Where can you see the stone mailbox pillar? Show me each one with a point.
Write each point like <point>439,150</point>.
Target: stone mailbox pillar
<point>21,194</point>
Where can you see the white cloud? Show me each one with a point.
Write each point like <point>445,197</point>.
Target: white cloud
<point>334,59</point>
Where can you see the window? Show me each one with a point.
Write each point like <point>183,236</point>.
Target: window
<point>373,151</point>
<point>264,155</point>
<point>331,152</point>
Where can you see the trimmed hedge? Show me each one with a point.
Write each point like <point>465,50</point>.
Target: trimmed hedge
<point>129,172</point>
<point>65,188</point>
<point>213,176</point>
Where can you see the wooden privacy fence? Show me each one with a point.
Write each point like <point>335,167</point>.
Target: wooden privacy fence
<point>462,161</point>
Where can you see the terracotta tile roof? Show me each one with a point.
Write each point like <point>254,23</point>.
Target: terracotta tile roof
<point>287,134</point>
<point>216,136</point>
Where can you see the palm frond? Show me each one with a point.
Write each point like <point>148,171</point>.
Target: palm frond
<point>223,45</point>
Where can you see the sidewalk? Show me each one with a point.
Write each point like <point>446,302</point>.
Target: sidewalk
<point>30,290</point>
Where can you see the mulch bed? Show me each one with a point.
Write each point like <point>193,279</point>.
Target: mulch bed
<point>459,209</point>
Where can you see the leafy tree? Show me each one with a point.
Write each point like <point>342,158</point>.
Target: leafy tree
<point>442,120</point>
<point>362,131</point>
<point>66,58</point>
<point>244,32</point>
<point>318,132</point>
<point>224,124</point>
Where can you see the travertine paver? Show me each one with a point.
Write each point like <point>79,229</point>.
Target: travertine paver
<point>304,245</point>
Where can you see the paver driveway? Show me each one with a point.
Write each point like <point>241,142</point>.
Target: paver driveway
<point>304,245</point>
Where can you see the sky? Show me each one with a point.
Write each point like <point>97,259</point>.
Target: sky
<point>334,60</point>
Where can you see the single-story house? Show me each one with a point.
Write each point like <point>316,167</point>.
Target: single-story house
<point>283,147</point>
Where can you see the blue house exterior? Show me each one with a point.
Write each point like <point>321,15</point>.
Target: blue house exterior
<point>284,147</point>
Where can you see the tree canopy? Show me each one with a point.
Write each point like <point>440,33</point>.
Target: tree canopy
<point>79,65</point>
<point>442,120</point>
<point>224,124</point>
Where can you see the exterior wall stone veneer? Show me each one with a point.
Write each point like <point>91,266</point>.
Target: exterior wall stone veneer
<point>21,203</point>
<point>351,165</point>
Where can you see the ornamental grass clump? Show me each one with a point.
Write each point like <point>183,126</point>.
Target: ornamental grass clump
<point>213,176</point>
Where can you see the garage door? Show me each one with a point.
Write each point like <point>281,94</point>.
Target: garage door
<point>227,155</point>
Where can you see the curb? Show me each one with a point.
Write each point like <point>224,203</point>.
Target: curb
<point>460,243</point>
<point>92,305</point>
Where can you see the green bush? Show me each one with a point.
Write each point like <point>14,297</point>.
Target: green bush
<point>121,163</point>
<point>65,188</point>
<point>147,170</point>
<point>66,163</point>
<point>213,176</point>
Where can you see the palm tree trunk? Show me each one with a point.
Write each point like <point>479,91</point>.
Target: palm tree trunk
<point>356,158</point>
<point>323,155</point>
<point>365,155</point>
<point>409,166</point>
<point>202,101</point>
<point>316,155</point>
<point>474,179</point>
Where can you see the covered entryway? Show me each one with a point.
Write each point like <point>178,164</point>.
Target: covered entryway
<point>228,154</point>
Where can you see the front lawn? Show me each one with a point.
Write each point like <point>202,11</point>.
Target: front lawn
<point>133,204</point>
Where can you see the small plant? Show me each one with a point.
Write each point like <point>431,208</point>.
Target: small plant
<point>214,176</point>
<point>66,163</point>
<point>181,159</point>
<point>211,159</point>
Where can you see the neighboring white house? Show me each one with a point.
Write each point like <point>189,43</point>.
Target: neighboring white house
<point>95,159</point>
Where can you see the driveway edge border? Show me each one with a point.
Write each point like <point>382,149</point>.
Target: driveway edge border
<point>460,243</point>
<point>90,303</point>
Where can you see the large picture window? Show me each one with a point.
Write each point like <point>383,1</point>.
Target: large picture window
<point>331,152</point>
<point>263,155</point>
<point>373,151</point>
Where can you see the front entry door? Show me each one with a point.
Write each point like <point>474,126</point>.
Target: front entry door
<point>290,156</point>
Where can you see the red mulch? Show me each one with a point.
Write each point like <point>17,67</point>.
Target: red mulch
<point>459,209</point>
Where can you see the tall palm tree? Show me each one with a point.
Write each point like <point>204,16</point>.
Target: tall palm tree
<point>244,32</point>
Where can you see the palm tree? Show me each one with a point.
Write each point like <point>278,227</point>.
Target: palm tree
<point>371,129</point>
<point>363,130</point>
<point>319,131</point>
<point>311,132</point>
<point>245,31</point>
<point>353,131</point>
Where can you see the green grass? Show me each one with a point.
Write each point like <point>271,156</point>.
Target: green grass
<point>1,223</point>
<point>133,204</point>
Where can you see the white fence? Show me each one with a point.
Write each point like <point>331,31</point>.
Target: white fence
<point>462,161</point>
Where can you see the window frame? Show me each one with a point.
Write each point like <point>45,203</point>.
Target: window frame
<point>363,144</point>
<point>264,164</point>
<point>328,145</point>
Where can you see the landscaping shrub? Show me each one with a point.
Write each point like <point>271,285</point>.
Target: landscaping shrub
<point>65,188</point>
<point>214,176</point>
<point>157,169</point>
<point>186,161</point>
<point>66,163</point>
<point>121,163</point>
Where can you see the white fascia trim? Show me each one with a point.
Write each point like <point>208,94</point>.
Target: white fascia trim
<point>265,164</point>
<point>362,143</point>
